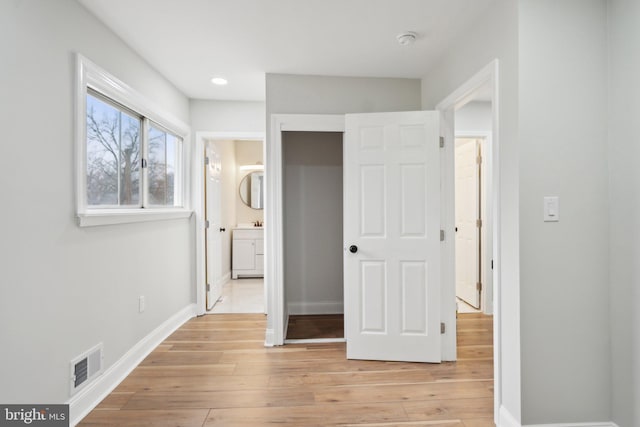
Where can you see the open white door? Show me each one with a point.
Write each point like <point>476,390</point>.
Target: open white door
<point>213,189</point>
<point>467,198</point>
<point>392,236</point>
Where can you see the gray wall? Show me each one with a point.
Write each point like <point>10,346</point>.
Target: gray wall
<point>624,211</point>
<point>288,93</point>
<point>313,217</point>
<point>563,265</point>
<point>226,116</point>
<point>295,94</point>
<point>65,288</point>
<point>494,35</point>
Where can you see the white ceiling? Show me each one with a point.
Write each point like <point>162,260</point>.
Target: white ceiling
<point>191,41</point>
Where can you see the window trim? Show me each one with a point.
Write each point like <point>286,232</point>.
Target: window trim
<point>89,75</point>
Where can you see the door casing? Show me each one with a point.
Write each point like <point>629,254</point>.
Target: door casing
<point>488,75</point>
<point>277,317</point>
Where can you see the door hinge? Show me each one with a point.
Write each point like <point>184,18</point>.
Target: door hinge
<point>442,235</point>
<point>442,142</point>
<point>479,223</point>
<point>208,287</point>
<point>479,160</point>
<point>144,163</point>
<point>492,264</point>
<point>443,328</point>
<point>206,223</point>
<point>479,286</point>
<point>206,161</point>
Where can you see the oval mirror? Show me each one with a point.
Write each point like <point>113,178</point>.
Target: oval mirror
<point>252,190</point>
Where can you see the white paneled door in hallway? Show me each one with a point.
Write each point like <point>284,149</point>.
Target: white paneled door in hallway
<point>392,236</point>
<point>213,190</point>
<point>467,190</point>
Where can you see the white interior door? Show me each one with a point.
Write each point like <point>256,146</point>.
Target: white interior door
<point>213,189</point>
<point>392,236</point>
<point>467,201</point>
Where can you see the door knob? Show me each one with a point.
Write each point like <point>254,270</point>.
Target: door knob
<point>222,230</point>
<point>353,249</point>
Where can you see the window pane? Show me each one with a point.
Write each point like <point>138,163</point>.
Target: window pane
<point>164,156</point>
<point>113,155</point>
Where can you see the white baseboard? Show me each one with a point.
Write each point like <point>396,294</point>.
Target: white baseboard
<point>508,420</point>
<point>329,307</point>
<point>81,404</point>
<point>269,338</point>
<point>596,424</point>
<point>286,326</point>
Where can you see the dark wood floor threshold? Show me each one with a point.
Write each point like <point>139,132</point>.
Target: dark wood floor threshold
<point>315,326</point>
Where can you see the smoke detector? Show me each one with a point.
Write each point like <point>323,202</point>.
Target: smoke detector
<point>406,38</point>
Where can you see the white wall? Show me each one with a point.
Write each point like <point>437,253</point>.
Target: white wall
<point>494,36</point>
<point>474,117</point>
<point>624,208</point>
<point>313,217</point>
<point>563,265</point>
<point>64,288</point>
<point>226,116</point>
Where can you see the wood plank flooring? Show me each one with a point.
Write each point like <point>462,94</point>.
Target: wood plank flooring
<point>214,371</point>
<point>315,326</point>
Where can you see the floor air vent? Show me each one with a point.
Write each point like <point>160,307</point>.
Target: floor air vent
<point>85,367</point>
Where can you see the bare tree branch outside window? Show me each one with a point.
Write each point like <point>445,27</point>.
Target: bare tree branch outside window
<point>114,153</point>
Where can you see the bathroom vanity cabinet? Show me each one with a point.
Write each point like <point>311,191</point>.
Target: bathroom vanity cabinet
<point>247,253</point>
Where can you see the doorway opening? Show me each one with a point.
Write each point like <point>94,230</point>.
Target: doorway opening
<point>473,258</point>
<point>473,224</point>
<point>391,242</point>
<point>218,213</point>
<point>313,238</point>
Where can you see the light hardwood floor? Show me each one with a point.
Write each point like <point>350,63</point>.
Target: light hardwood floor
<point>215,371</point>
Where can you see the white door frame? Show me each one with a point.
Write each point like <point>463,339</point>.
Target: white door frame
<point>277,314</point>
<point>489,74</point>
<point>197,177</point>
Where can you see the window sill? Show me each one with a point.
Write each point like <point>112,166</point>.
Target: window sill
<point>98,217</point>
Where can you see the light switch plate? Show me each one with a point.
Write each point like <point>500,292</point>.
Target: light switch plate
<point>551,209</point>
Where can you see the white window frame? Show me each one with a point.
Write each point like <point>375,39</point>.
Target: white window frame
<point>89,75</point>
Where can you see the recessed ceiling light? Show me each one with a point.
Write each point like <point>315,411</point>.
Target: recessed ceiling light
<point>406,38</point>
<point>219,81</point>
